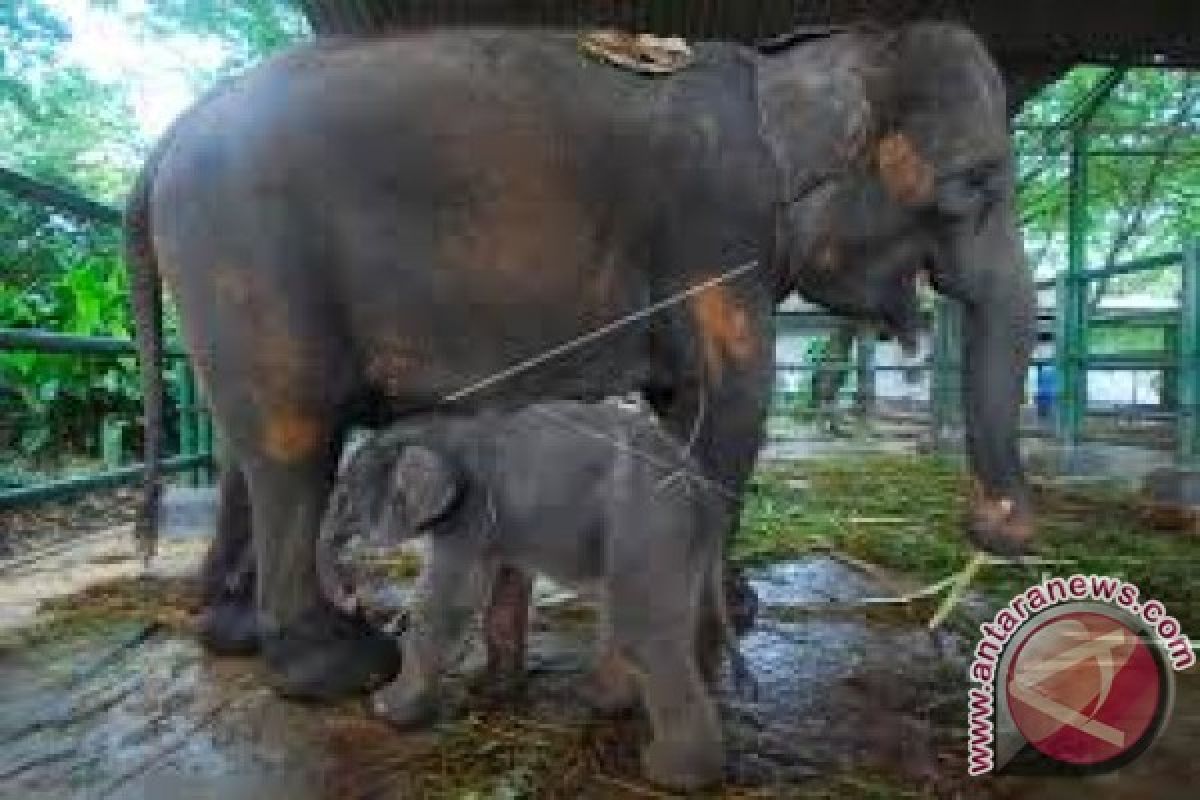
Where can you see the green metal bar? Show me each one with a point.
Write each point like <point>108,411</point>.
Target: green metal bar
<point>1188,432</point>
<point>1138,265</point>
<point>864,371</point>
<point>57,197</point>
<point>1068,361</point>
<point>47,342</point>
<point>69,487</point>
<point>1071,307</point>
<point>1170,152</point>
<point>804,366</point>
<point>1085,110</point>
<point>187,433</point>
<point>111,427</point>
<point>946,386</point>
<point>1115,363</point>
<point>1153,263</point>
<point>1167,318</point>
<point>1116,130</point>
<point>1130,361</point>
<point>1170,392</point>
<point>808,321</point>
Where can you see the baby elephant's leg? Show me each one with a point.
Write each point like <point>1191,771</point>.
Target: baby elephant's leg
<point>654,629</point>
<point>449,597</point>
<point>613,690</point>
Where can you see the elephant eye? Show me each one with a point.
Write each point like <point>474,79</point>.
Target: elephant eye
<point>969,193</point>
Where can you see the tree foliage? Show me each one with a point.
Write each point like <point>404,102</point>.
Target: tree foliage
<point>248,29</point>
<point>1143,171</point>
<point>64,125</point>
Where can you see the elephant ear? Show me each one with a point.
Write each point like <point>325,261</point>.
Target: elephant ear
<point>427,487</point>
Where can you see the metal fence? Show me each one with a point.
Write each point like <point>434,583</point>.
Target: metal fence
<point>191,454</point>
<point>1178,359</point>
<point>193,448</point>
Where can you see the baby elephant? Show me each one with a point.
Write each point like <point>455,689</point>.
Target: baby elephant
<point>593,496</point>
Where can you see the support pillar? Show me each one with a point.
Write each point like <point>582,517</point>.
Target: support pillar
<point>946,381</point>
<point>864,364</point>
<point>1188,376</point>
<point>189,438</point>
<point>1070,345</point>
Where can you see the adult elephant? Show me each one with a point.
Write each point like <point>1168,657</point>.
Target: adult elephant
<point>361,228</point>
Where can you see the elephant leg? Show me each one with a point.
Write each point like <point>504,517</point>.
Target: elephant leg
<point>613,690</point>
<point>724,421</point>
<point>313,651</point>
<point>228,614</point>
<point>506,631</point>
<point>686,751</point>
<point>653,629</point>
<point>652,613</point>
<point>451,594</point>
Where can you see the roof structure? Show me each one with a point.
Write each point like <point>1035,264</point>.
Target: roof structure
<point>1127,31</point>
<point>1034,40</point>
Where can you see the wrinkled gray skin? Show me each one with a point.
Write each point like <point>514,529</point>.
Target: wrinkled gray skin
<point>359,228</point>
<point>595,497</point>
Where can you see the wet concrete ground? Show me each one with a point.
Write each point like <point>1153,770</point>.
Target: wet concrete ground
<point>119,711</point>
<point>851,704</point>
<point>116,710</point>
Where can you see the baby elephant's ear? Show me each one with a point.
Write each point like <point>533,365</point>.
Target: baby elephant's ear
<point>427,484</point>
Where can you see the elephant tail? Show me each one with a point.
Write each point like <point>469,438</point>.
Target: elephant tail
<point>146,301</point>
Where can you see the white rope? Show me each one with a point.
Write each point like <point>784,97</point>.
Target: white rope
<point>598,333</point>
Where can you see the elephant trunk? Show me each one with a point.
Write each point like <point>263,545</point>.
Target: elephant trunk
<point>337,528</point>
<point>985,269</point>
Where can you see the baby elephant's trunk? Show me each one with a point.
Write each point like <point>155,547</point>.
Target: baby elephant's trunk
<point>337,527</point>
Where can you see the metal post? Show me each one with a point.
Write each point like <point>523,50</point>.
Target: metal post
<point>1071,302</point>
<point>1066,424</point>
<point>111,429</point>
<point>188,439</point>
<point>1170,384</point>
<point>946,381</point>
<point>1189,358</point>
<point>864,379</point>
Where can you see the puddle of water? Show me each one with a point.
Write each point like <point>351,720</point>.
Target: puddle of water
<point>812,581</point>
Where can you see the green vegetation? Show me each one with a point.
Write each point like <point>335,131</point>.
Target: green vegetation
<point>1143,170</point>
<point>64,125</point>
<point>905,513</point>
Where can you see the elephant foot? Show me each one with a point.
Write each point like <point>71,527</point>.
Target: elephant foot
<point>684,765</point>
<point>1000,526</point>
<point>325,656</point>
<point>612,689</point>
<point>229,628</point>
<point>404,708</point>
<point>606,703</point>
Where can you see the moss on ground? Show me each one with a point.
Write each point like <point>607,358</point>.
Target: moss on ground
<point>905,513</point>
